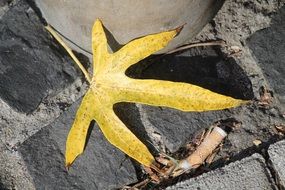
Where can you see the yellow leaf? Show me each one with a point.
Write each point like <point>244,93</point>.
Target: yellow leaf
<point>95,106</point>
<point>84,115</point>
<point>110,85</point>
<point>182,96</point>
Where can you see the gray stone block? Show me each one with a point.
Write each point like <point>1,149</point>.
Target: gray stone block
<point>101,166</point>
<point>248,173</point>
<point>32,65</point>
<point>268,47</point>
<point>277,156</point>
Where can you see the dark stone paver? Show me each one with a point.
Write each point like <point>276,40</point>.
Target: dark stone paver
<point>277,156</point>
<point>102,166</point>
<point>268,47</point>
<point>248,173</point>
<point>177,128</point>
<point>32,66</point>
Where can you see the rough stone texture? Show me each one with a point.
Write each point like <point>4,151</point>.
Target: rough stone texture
<point>3,7</point>
<point>268,47</point>
<point>32,66</point>
<point>235,23</point>
<point>13,171</point>
<point>248,173</point>
<point>277,157</point>
<point>102,166</point>
<point>15,126</point>
<point>41,77</point>
<point>2,186</point>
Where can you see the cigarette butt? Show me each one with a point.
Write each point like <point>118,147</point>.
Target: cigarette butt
<point>207,147</point>
<point>209,144</point>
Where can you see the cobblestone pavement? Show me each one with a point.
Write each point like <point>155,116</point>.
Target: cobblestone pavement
<point>41,88</point>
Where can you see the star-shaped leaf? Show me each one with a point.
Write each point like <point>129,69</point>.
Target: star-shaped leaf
<point>109,85</point>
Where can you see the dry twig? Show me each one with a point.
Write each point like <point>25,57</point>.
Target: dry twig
<point>188,46</point>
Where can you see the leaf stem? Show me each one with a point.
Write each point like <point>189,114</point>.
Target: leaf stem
<point>69,51</point>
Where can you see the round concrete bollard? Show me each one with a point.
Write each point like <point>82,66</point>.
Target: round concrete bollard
<point>127,19</point>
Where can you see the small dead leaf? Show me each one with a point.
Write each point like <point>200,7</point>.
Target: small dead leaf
<point>280,128</point>
<point>153,175</point>
<point>265,97</point>
<point>234,50</point>
<point>257,142</point>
